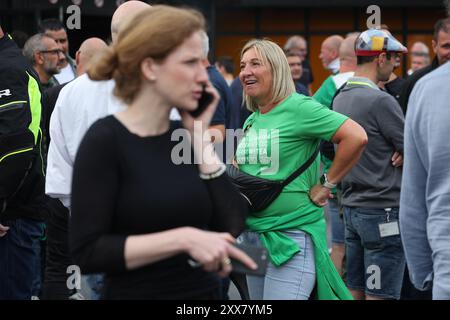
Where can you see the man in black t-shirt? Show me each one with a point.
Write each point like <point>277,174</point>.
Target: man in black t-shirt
<point>441,47</point>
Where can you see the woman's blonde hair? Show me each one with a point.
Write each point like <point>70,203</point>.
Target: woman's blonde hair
<point>154,33</point>
<point>273,56</point>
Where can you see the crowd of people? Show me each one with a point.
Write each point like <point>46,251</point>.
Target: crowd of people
<point>91,175</point>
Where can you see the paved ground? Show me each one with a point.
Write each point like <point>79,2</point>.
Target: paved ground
<point>233,293</point>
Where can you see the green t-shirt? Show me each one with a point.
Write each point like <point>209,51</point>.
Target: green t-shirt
<point>280,141</point>
<point>325,95</point>
<point>274,146</point>
<point>326,92</point>
<point>328,89</point>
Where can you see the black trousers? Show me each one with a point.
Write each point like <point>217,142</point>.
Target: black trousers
<point>58,258</point>
<point>409,292</point>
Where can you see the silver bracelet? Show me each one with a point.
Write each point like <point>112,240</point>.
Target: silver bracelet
<point>213,175</point>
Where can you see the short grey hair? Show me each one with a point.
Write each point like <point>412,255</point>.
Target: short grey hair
<point>293,42</point>
<point>419,49</point>
<point>33,45</point>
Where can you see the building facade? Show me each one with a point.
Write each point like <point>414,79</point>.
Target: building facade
<point>233,22</point>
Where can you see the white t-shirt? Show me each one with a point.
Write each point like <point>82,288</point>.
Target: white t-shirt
<point>80,103</point>
<point>342,78</point>
<point>65,75</point>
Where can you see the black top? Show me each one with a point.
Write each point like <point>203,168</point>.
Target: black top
<point>24,170</point>
<point>394,87</point>
<point>49,98</point>
<point>411,82</point>
<point>307,76</point>
<point>125,185</point>
<point>301,89</point>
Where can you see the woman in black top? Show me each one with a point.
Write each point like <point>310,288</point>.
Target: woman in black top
<point>136,215</point>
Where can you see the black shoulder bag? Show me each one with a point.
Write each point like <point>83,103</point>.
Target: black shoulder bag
<point>259,192</point>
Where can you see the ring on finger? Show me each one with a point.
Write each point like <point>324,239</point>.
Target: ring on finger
<point>226,261</point>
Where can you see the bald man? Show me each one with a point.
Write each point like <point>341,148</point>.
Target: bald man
<point>83,57</point>
<point>347,57</point>
<point>329,53</point>
<point>80,103</point>
<point>347,62</point>
<point>58,258</point>
<point>88,49</point>
<point>123,14</point>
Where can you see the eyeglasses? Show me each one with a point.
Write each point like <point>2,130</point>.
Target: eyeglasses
<point>54,51</point>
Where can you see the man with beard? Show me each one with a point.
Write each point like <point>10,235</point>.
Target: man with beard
<point>441,47</point>
<point>54,29</point>
<point>44,55</point>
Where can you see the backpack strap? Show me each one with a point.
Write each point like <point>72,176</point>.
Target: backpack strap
<point>336,93</point>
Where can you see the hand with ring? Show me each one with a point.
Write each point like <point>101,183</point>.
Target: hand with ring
<point>226,261</point>
<point>212,251</point>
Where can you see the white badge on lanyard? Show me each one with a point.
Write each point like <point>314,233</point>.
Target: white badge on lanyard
<point>388,228</point>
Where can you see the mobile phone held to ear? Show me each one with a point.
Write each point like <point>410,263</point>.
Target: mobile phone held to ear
<point>203,103</point>
<point>258,254</point>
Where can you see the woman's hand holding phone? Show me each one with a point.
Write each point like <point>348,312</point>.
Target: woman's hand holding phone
<point>206,107</point>
<point>208,161</point>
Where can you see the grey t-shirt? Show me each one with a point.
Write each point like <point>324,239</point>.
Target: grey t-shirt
<point>373,182</point>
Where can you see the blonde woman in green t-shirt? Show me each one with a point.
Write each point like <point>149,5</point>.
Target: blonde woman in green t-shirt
<point>282,133</point>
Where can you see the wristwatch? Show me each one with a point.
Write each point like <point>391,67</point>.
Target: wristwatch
<point>325,183</point>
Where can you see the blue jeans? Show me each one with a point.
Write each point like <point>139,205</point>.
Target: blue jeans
<point>337,222</point>
<point>375,264</point>
<point>294,280</point>
<point>20,259</point>
<point>94,284</point>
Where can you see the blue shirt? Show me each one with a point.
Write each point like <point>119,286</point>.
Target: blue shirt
<point>425,196</point>
<point>221,113</point>
<point>239,112</point>
<point>301,89</point>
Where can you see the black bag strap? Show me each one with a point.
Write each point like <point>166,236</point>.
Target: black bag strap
<point>327,148</point>
<point>303,167</point>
